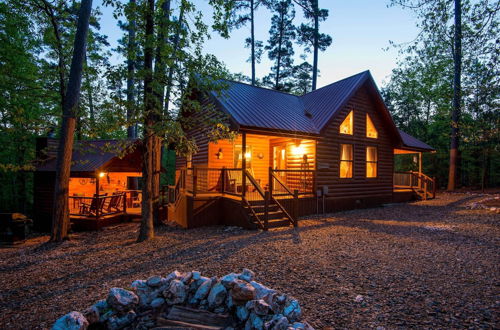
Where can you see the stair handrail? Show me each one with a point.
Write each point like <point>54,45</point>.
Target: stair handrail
<point>261,225</point>
<point>272,176</point>
<point>254,183</point>
<point>282,184</point>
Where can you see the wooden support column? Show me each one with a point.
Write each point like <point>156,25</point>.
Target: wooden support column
<point>419,170</point>
<point>243,163</point>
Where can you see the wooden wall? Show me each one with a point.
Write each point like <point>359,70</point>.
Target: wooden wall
<point>328,152</point>
<point>259,146</point>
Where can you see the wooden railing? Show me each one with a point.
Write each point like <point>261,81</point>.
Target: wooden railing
<point>420,183</point>
<point>242,183</point>
<point>97,206</point>
<point>304,181</point>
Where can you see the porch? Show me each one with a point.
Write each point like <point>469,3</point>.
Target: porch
<point>104,198</point>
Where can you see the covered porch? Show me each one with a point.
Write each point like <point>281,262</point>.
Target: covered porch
<point>253,164</point>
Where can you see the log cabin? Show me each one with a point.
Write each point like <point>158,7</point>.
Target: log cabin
<point>328,150</point>
<point>103,186</point>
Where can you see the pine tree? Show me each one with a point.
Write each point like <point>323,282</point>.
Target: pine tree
<point>309,35</point>
<point>280,45</point>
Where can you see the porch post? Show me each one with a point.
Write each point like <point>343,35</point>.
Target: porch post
<point>97,201</point>
<point>419,169</point>
<point>243,163</point>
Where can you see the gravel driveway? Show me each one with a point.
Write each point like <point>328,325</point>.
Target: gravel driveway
<point>430,264</point>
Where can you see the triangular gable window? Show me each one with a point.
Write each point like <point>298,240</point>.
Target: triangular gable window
<point>347,125</point>
<point>371,131</point>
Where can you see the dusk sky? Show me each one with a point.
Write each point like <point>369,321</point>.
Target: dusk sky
<point>361,30</point>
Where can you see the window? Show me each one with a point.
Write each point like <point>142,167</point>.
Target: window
<point>347,125</point>
<point>346,160</point>
<point>238,150</point>
<point>371,131</point>
<point>371,162</point>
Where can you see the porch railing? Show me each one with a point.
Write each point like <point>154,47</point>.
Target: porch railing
<point>420,183</point>
<point>283,182</point>
<point>97,206</point>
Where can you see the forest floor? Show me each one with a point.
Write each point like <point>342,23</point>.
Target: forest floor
<point>428,264</point>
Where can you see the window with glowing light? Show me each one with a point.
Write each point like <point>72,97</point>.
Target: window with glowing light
<point>238,151</point>
<point>371,131</point>
<point>347,125</point>
<point>346,158</point>
<point>371,162</point>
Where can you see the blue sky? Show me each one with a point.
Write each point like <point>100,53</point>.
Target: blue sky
<point>361,30</point>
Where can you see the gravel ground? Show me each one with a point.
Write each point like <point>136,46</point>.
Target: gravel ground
<point>429,264</point>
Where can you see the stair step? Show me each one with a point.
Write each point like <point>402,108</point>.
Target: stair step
<point>271,215</point>
<point>283,222</point>
<point>260,208</point>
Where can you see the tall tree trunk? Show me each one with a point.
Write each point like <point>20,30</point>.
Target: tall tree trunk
<point>147,230</point>
<point>159,77</point>
<point>252,37</point>
<point>171,69</point>
<point>316,43</point>
<point>60,220</point>
<point>131,54</point>
<point>278,63</point>
<point>455,114</point>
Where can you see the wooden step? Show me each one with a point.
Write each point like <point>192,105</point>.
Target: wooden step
<point>260,208</point>
<point>277,223</point>
<point>271,215</point>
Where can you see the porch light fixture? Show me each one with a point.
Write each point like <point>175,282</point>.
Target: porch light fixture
<point>102,174</point>
<point>219,154</point>
<point>298,150</point>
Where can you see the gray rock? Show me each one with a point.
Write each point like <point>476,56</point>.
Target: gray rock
<point>176,292</point>
<point>278,322</point>
<point>196,275</point>
<point>229,280</point>
<point>242,291</point>
<point>92,314</point>
<point>139,284</point>
<point>186,278</point>
<point>262,291</point>
<point>102,306</point>
<point>217,295</point>
<point>292,310</point>
<point>157,302</point>
<point>259,307</point>
<point>254,322</point>
<point>71,321</point>
<point>122,300</point>
<point>203,290</point>
<point>154,281</point>
<point>247,275</point>
<point>119,322</point>
<point>242,313</point>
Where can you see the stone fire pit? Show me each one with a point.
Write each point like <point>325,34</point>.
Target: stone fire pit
<point>190,300</point>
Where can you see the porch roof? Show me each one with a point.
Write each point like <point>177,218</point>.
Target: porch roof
<point>88,155</point>
<point>412,143</point>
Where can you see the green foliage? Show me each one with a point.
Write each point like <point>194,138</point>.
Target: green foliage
<point>419,93</point>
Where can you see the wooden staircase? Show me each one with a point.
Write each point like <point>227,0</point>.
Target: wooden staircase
<point>276,217</point>
<point>423,186</point>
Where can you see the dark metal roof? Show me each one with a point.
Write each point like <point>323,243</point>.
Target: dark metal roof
<point>412,142</point>
<point>88,155</point>
<point>264,108</point>
<point>324,102</point>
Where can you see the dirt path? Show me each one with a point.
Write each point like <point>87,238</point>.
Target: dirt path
<point>426,264</point>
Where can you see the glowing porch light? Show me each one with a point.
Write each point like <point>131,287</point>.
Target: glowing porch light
<point>298,150</point>
<point>102,174</point>
<point>248,155</point>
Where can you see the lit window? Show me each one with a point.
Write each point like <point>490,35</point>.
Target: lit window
<point>238,153</point>
<point>371,131</point>
<point>371,162</point>
<point>347,124</point>
<point>346,160</point>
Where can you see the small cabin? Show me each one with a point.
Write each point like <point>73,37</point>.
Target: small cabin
<point>328,150</point>
<point>104,186</point>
